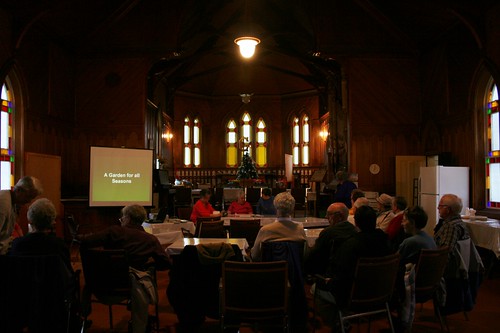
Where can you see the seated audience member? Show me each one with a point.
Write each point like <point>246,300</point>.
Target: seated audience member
<point>398,206</point>
<point>265,205</point>
<point>385,214</point>
<point>11,201</point>
<point>462,281</point>
<point>414,220</point>
<point>240,206</point>
<point>140,248</point>
<point>355,195</point>
<point>358,203</point>
<point>202,207</point>
<point>281,230</point>
<point>42,240</point>
<point>344,188</point>
<point>369,242</point>
<point>330,239</point>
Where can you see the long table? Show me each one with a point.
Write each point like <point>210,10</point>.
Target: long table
<point>307,222</point>
<point>170,231</point>
<point>485,234</point>
<point>177,247</point>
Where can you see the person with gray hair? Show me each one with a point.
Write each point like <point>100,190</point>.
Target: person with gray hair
<point>240,206</point>
<point>450,228</point>
<point>42,239</point>
<point>281,230</point>
<point>11,201</point>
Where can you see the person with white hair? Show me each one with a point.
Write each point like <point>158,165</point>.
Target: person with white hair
<point>450,228</point>
<point>42,239</point>
<point>11,201</point>
<point>240,206</point>
<point>281,230</point>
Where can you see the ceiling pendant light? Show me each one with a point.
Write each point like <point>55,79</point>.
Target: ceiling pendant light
<point>247,45</point>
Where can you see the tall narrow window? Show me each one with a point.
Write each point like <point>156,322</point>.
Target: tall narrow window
<point>6,139</point>
<point>305,140</point>
<point>196,143</point>
<point>231,144</point>
<point>300,140</point>
<point>246,131</point>
<point>187,142</point>
<point>261,144</point>
<point>296,141</point>
<point>192,142</point>
<point>493,154</point>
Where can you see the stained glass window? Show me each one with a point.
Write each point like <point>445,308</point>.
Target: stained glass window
<point>261,144</point>
<point>231,144</point>
<point>493,154</point>
<point>246,131</point>
<point>6,139</point>
<point>192,142</point>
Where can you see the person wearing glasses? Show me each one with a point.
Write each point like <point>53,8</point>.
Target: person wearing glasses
<point>142,250</point>
<point>450,228</point>
<point>330,239</point>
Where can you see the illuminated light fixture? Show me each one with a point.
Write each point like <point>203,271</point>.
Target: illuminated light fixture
<point>247,45</point>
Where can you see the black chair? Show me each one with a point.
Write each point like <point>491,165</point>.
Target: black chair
<point>255,295</point>
<point>248,229</point>
<point>299,194</point>
<point>182,198</point>
<point>428,274</point>
<point>217,198</point>
<point>293,254</point>
<point>210,229</point>
<point>37,293</point>
<point>193,290</point>
<point>372,288</point>
<point>106,275</point>
<point>184,213</point>
<point>253,196</point>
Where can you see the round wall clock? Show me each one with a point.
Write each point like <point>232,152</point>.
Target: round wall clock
<point>374,169</point>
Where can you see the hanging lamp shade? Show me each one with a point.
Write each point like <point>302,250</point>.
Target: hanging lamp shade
<point>247,45</point>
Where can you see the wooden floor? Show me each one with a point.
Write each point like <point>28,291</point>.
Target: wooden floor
<point>485,318</point>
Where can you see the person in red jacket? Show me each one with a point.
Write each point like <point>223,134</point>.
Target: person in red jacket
<point>241,206</point>
<point>398,206</point>
<point>202,207</point>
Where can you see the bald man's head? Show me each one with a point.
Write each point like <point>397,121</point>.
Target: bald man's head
<point>337,212</point>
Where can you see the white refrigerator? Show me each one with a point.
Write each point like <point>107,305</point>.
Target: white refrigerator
<point>436,181</point>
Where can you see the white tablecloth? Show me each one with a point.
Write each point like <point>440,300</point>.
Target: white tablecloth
<point>307,222</point>
<point>177,247</point>
<point>312,235</point>
<point>485,234</point>
<point>160,228</point>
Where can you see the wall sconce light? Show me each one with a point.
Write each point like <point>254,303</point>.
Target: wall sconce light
<point>247,45</point>
<point>324,135</point>
<point>167,136</point>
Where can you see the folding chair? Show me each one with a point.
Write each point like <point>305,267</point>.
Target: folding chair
<point>428,273</point>
<point>372,288</point>
<point>244,229</point>
<point>247,301</point>
<point>206,229</point>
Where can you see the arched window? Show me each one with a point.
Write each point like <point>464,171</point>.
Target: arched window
<point>493,153</point>
<point>261,144</point>
<point>300,140</point>
<point>231,144</point>
<point>246,131</point>
<point>192,142</point>
<point>6,139</point>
